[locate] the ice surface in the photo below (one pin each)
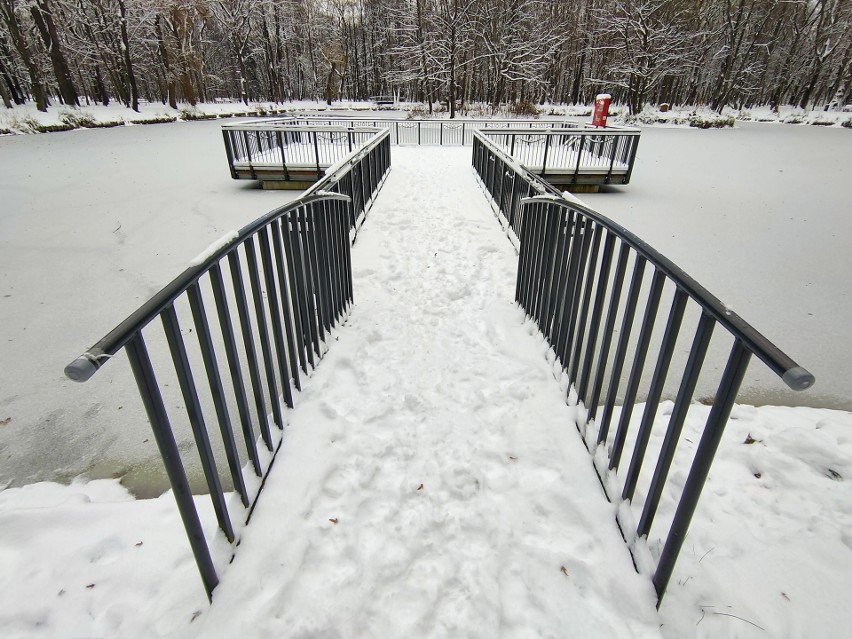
(92, 224)
(760, 216)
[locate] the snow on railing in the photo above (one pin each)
(297, 263)
(578, 156)
(573, 264)
(431, 132)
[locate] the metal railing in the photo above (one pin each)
(289, 276)
(414, 132)
(573, 265)
(581, 156)
(261, 152)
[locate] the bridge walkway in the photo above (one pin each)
(431, 482)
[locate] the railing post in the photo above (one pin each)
(229, 152)
(634, 145)
(544, 159)
(579, 158)
(283, 159)
(418, 132)
(140, 363)
(316, 152)
(248, 155)
(684, 396)
(716, 421)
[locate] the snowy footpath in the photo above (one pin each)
(431, 482)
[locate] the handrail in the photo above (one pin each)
(490, 124)
(592, 130)
(289, 276)
(86, 365)
(796, 377)
(588, 155)
(793, 375)
(572, 269)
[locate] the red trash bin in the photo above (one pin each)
(601, 112)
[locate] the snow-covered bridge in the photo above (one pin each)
(430, 391)
(291, 153)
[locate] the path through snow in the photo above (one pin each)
(431, 481)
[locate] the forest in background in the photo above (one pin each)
(739, 53)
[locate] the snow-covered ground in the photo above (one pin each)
(462, 401)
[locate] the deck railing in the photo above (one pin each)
(573, 265)
(257, 152)
(414, 132)
(584, 155)
(289, 276)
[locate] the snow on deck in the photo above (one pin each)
(431, 481)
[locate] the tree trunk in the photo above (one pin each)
(164, 57)
(4, 93)
(128, 64)
(43, 18)
(7, 12)
(100, 88)
(8, 89)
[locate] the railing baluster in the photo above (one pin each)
(224, 313)
(583, 236)
(655, 391)
(629, 401)
(275, 314)
(684, 396)
(248, 343)
(569, 266)
(289, 301)
(621, 349)
(587, 298)
(177, 348)
(717, 419)
(606, 338)
(149, 390)
(214, 381)
(594, 324)
(298, 288)
(549, 253)
(294, 295)
(305, 217)
(566, 223)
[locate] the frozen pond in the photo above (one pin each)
(760, 216)
(94, 222)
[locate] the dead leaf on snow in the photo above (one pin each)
(564, 570)
(5, 422)
(333, 520)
